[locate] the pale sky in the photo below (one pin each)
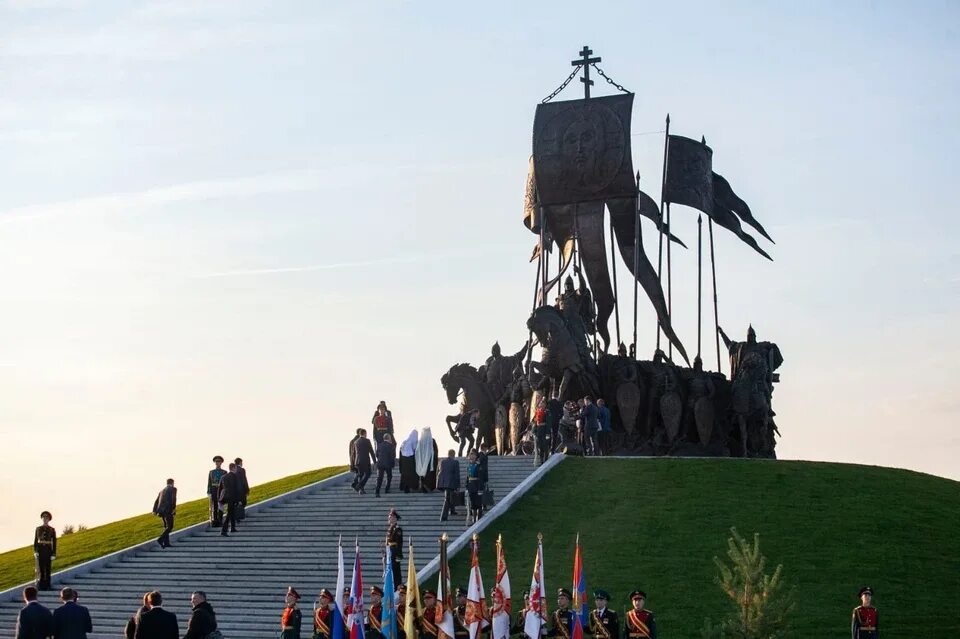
(232, 227)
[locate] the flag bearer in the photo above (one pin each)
(323, 616)
(562, 616)
(373, 629)
(865, 618)
(640, 623)
(292, 617)
(44, 549)
(603, 622)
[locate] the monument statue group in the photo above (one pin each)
(580, 168)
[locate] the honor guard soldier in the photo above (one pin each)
(640, 623)
(460, 630)
(401, 611)
(395, 543)
(562, 617)
(292, 617)
(522, 614)
(323, 616)
(213, 492)
(44, 549)
(603, 622)
(428, 622)
(865, 617)
(372, 628)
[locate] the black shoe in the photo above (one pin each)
(378, 493)
(223, 533)
(387, 491)
(406, 490)
(443, 519)
(363, 492)
(233, 530)
(453, 512)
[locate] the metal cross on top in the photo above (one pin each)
(585, 62)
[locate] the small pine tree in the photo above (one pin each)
(81, 528)
(762, 603)
(67, 530)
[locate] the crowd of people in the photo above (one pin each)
(420, 466)
(575, 427)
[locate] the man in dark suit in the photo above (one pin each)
(244, 489)
(71, 620)
(165, 507)
(448, 480)
(157, 623)
(230, 499)
(364, 458)
(34, 621)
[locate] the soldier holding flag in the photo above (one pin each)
(640, 623)
(500, 610)
(323, 616)
(563, 617)
(604, 623)
(373, 627)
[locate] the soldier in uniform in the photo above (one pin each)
(428, 622)
(372, 628)
(401, 611)
(865, 624)
(640, 623)
(44, 549)
(522, 614)
(323, 616)
(213, 492)
(562, 617)
(460, 630)
(395, 543)
(292, 617)
(603, 622)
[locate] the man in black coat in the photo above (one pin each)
(203, 620)
(229, 493)
(448, 480)
(353, 457)
(244, 489)
(157, 623)
(386, 460)
(364, 458)
(34, 621)
(71, 620)
(165, 507)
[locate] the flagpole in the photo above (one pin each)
(616, 291)
(663, 184)
(716, 315)
(699, 280)
(533, 305)
(637, 243)
(669, 287)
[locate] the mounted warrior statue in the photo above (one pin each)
(752, 371)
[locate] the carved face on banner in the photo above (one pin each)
(581, 150)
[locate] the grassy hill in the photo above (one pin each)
(17, 566)
(656, 524)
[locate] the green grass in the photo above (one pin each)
(17, 566)
(657, 524)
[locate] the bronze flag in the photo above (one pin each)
(689, 178)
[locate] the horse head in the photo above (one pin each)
(453, 380)
(545, 322)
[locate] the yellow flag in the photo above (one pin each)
(414, 607)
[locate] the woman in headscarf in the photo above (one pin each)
(427, 456)
(408, 463)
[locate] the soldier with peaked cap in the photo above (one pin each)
(562, 617)
(372, 628)
(292, 618)
(640, 622)
(401, 610)
(44, 549)
(865, 623)
(323, 615)
(213, 492)
(395, 543)
(460, 630)
(603, 622)
(428, 622)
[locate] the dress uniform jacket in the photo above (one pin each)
(562, 622)
(605, 625)
(290, 623)
(864, 623)
(641, 625)
(323, 623)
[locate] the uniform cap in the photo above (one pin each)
(326, 593)
(346, 590)
(393, 511)
(638, 594)
(601, 594)
(376, 589)
(217, 458)
(402, 588)
(46, 514)
(429, 593)
(292, 592)
(526, 593)
(461, 592)
(866, 590)
(563, 592)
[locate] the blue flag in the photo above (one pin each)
(388, 616)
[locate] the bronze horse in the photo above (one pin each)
(565, 358)
(476, 395)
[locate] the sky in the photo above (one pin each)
(232, 227)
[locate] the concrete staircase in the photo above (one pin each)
(293, 542)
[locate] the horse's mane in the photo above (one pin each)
(462, 369)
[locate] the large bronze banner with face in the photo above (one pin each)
(581, 150)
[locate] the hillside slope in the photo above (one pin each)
(656, 524)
